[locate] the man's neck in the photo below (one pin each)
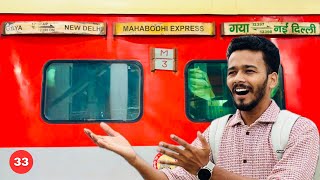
(249, 117)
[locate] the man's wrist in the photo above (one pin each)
(132, 160)
(205, 172)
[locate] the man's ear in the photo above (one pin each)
(273, 80)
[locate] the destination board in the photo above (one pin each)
(53, 27)
(270, 28)
(164, 28)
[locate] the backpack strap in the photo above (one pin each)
(280, 135)
(215, 134)
(281, 130)
(316, 175)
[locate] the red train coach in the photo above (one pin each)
(67, 65)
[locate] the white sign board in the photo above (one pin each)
(164, 64)
(163, 59)
(53, 27)
(160, 53)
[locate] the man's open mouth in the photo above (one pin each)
(241, 90)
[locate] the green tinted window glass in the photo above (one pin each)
(208, 96)
(277, 93)
(75, 91)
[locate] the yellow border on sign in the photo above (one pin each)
(229, 7)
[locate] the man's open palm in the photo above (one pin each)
(113, 141)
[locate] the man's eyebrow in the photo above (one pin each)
(250, 66)
(242, 67)
(231, 68)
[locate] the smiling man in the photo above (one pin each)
(250, 80)
(246, 149)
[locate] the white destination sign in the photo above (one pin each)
(53, 27)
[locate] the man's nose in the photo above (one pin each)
(239, 78)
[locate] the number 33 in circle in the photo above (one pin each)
(21, 162)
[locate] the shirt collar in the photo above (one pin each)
(268, 116)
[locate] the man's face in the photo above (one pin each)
(247, 79)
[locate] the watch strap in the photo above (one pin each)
(209, 166)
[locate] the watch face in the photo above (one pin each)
(204, 174)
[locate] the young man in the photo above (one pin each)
(245, 151)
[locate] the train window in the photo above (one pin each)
(83, 91)
(207, 95)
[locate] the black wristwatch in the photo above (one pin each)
(205, 172)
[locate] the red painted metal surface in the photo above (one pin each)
(22, 59)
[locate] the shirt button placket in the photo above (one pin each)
(247, 150)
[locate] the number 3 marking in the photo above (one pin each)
(164, 64)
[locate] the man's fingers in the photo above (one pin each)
(171, 147)
(169, 162)
(205, 144)
(97, 139)
(88, 132)
(108, 129)
(169, 153)
(180, 141)
(104, 144)
(92, 136)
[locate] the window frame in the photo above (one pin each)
(43, 91)
(187, 98)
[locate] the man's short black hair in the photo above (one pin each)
(270, 52)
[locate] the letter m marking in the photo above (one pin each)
(164, 53)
